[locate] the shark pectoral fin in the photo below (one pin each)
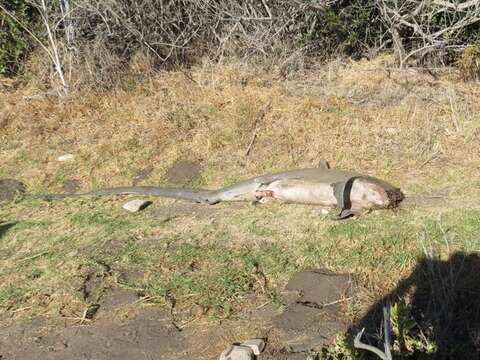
(209, 200)
(323, 164)
(345, 214)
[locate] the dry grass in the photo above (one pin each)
(407, 127)
(469, 62)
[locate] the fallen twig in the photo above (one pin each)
(431, 158)
(260, 117)
(254, 137)
(34, 256)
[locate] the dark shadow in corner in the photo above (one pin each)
(445, 302)
(4, 227)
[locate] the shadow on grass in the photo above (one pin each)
(443, 310)
(4, 227)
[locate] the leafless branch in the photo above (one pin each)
(415, 23)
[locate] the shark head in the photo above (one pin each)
(370, 192)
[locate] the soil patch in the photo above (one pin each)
(116, 299)
(141, 175)
(183, 172)
(71, 186)
(314, 313)
(9, 188)
(145, 335)
(121, 330)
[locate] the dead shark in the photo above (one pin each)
(350, 192)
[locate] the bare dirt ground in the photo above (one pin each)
(116, 330)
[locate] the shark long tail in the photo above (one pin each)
(195, 195)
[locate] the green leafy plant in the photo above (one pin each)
(13, 37)
(341, 349)
(409, 338)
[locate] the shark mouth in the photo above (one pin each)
(395, 197)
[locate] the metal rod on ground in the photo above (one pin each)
(386, 354)
(386, 329)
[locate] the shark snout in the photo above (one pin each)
(374, 193)
(394, 197)
(387, 196)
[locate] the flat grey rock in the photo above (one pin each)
(237, 352)
(291, 296)
(320, 286)
(136, 205)
(257, 345)
(307, 329)
(314, 314)
(298, 317)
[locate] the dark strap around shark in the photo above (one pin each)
(342, 191)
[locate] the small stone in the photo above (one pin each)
(72, 254)
(257, 345)
(392, 131)
(321, 212)
(66, 157)
(136, 205)
(237, 352)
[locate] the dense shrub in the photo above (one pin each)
(109, 34)
(469, 62)
(14, 41)
(97, 40)
(346, 27)
(174, 30)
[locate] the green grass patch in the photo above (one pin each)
(216, 264)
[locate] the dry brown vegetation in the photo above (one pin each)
(411, 128)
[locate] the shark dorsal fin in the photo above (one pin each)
(323, 164)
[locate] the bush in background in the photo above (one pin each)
(107, 35)
(14, 41)
(469, 62)
(95, 41)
